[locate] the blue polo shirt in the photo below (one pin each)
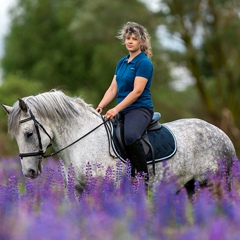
(140, 66)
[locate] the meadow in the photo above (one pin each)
(115, 207)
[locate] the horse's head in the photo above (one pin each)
(32, 137)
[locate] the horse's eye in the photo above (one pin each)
(29, 134)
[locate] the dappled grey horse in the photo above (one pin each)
(78, 135)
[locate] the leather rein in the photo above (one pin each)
(38, 125)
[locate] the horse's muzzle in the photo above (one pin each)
(34, 173)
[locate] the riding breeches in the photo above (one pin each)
(135, 123)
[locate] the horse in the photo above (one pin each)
(78, 134)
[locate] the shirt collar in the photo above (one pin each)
(135, 59)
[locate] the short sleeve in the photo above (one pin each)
(144, 69)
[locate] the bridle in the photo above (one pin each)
(37, 125)
(41, 153)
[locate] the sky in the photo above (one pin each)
(4, 20)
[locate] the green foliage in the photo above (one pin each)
(175, 105)
(39, 45)
(12, 89)
(70, 44)
(208, 32)
(15, 87)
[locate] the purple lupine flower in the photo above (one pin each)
(119, 170)
(120, 210)
(89, 179)
(71, 184)
(60, 180)
(47, 186)
(217, 229)
(128, 168)
(12, 190)
(235, 179)
(164, 206)
(204, 207)
(140, 217)
(181, 202)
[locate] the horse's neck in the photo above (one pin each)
(92, 147)
(71, 129)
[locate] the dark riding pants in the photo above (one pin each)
(135, 123)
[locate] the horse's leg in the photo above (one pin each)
(190, 188)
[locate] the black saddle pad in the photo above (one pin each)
(163, 143)
(162, 140)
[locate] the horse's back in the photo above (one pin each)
(200, 135)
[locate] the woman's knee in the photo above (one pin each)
(131, 138)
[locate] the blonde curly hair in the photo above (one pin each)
(140, 32)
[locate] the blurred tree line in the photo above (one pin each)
(208, 30)
(71, 45)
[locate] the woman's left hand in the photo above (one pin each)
(111, 113)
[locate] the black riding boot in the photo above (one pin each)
(138, 158)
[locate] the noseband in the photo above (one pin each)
(37, 125)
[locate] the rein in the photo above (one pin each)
(54, 153)
(37, 125)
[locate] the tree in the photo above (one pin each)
(209, 31)
(12, 89)
(70, 43)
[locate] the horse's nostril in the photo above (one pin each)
(31, 172)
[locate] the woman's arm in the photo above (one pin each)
(139, 85)
(109, 95)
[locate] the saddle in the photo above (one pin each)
(118, 143)
(158, 141)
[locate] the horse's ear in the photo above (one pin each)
(22, 105)
(8, 109)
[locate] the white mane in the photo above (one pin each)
(53, 105)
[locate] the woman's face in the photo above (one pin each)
(132, 43)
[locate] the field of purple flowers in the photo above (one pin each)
(115, 208)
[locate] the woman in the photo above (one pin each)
(131, 85)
